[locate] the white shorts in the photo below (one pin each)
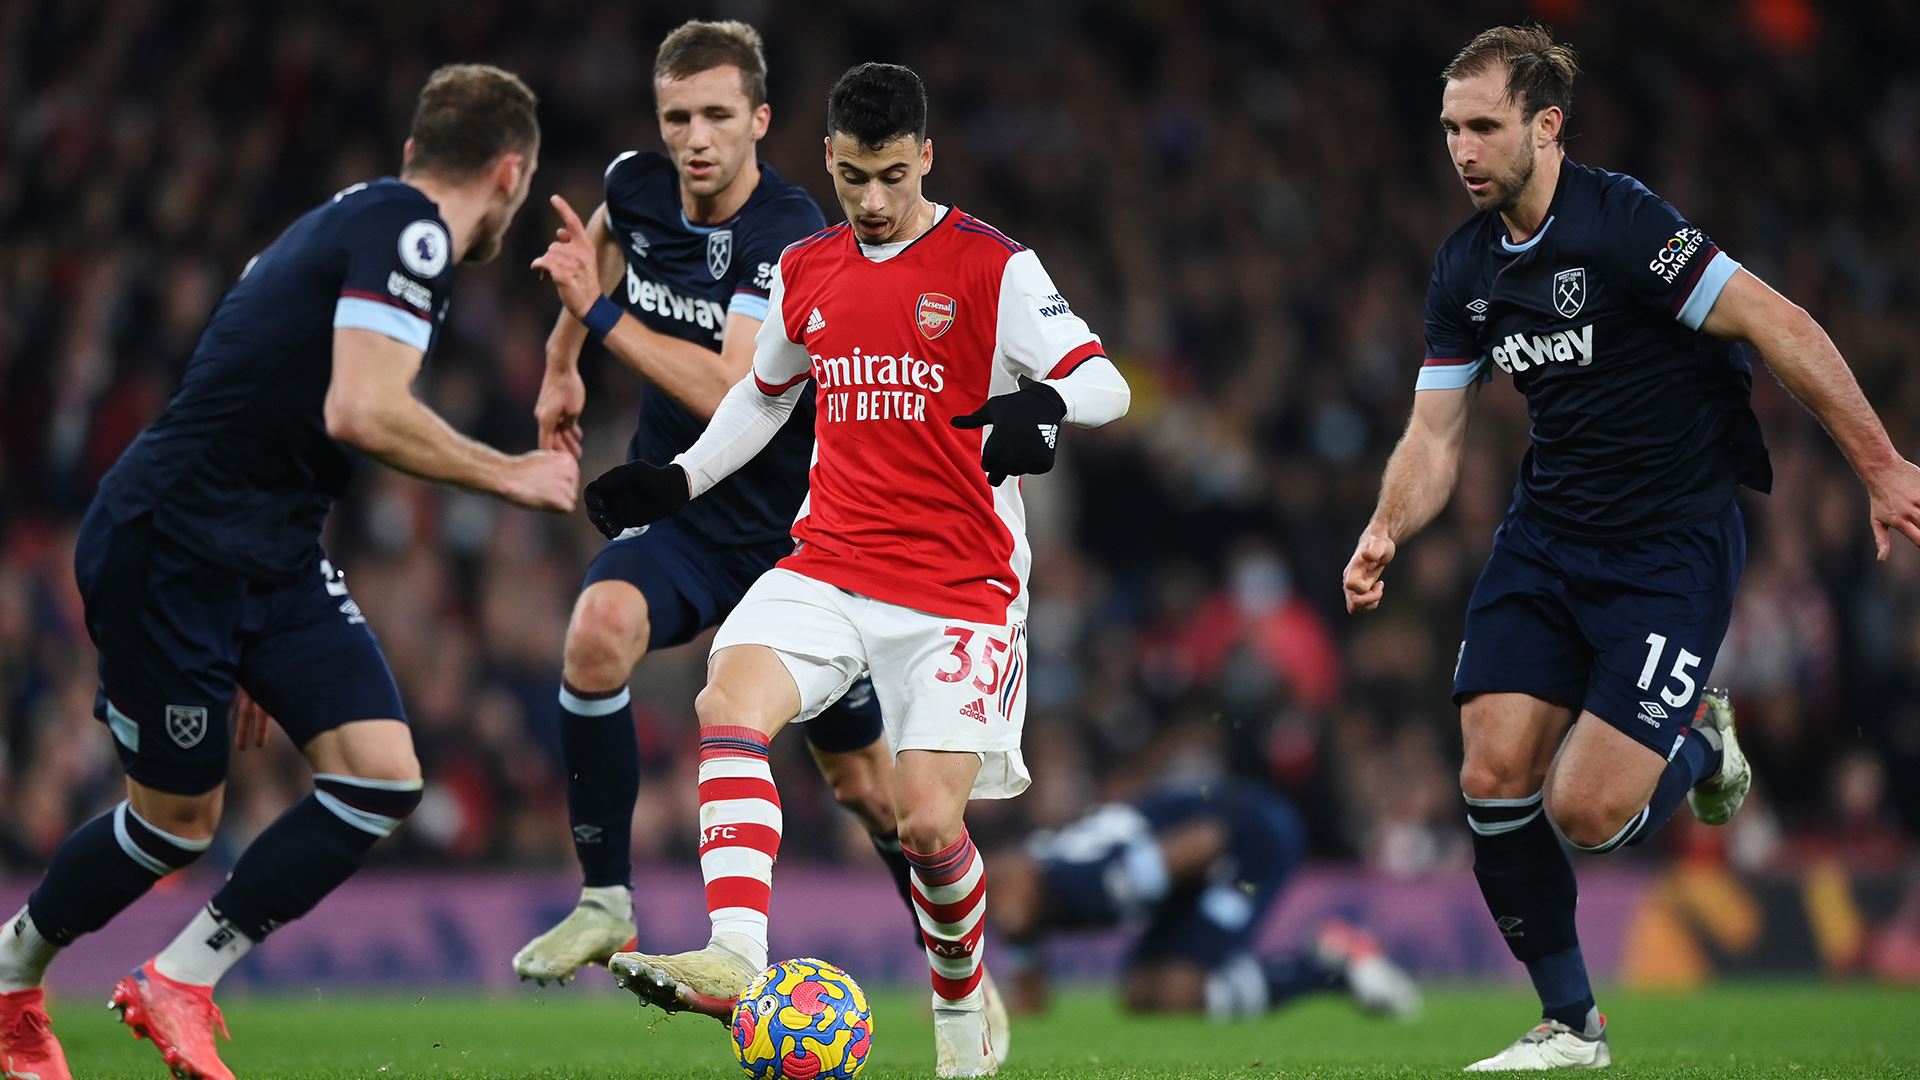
(943, 684)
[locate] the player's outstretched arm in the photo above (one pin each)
(370, 406)
(1418, 482)
(637, 493)
(563, 396)
(690, 374)
(1806, 362)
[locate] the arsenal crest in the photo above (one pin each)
(934, 314)
(1570, 291)
(719, 253)
(186, 725)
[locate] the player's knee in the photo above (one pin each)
(605, 640)
(371, 804)
(1495, 778)
(392, 765)
(868, 802)
(857, 787)
(192, 818)
(926, 828)
(1589, 825)
(716, 705)
(373, 750)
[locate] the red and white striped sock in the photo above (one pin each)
(739, 836)
(950, 899)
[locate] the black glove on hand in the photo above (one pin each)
(628, 496)
(1026, 424)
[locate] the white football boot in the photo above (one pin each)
(1376, 983)
(706, 981)
(1551, 1045)
(601, 925)
(997, 1023)
(1717, 798)
(962, 1043)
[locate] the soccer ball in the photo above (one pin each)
(803, 1019)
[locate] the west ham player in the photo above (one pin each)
(688, 241)
(921, 327)
(1612, 579)
(1189, 869)
(201, 568)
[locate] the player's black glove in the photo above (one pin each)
(1026, 424)
(628, 496)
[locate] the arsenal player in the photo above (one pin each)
(943, 362)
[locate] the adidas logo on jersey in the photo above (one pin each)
(816, 322)
(975, 710)
(1051, 433)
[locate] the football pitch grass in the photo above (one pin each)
(1804, 1031)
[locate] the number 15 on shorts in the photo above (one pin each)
(1679, 687)
(996, 666)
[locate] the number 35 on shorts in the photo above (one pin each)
(994, 665)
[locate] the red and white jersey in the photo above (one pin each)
(899, 508)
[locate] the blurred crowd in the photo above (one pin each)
(1241, 196)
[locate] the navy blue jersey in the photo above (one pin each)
(239, 467)
(1640, 422)
(683, 280)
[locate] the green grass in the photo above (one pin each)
(1804, 1031)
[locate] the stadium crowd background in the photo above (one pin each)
(1242, 197)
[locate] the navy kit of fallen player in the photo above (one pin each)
(200, 565)
(687, 241)
(1612, 579)
(1191, 870)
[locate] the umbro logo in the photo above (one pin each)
(975, 710)
(1510, 925)
(1478, 310)
(586, 834)
(1652, 713)
(816, 322)
(640, 244)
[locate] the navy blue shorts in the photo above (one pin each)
(177, 634)
(691, 583)
(1627, 630)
